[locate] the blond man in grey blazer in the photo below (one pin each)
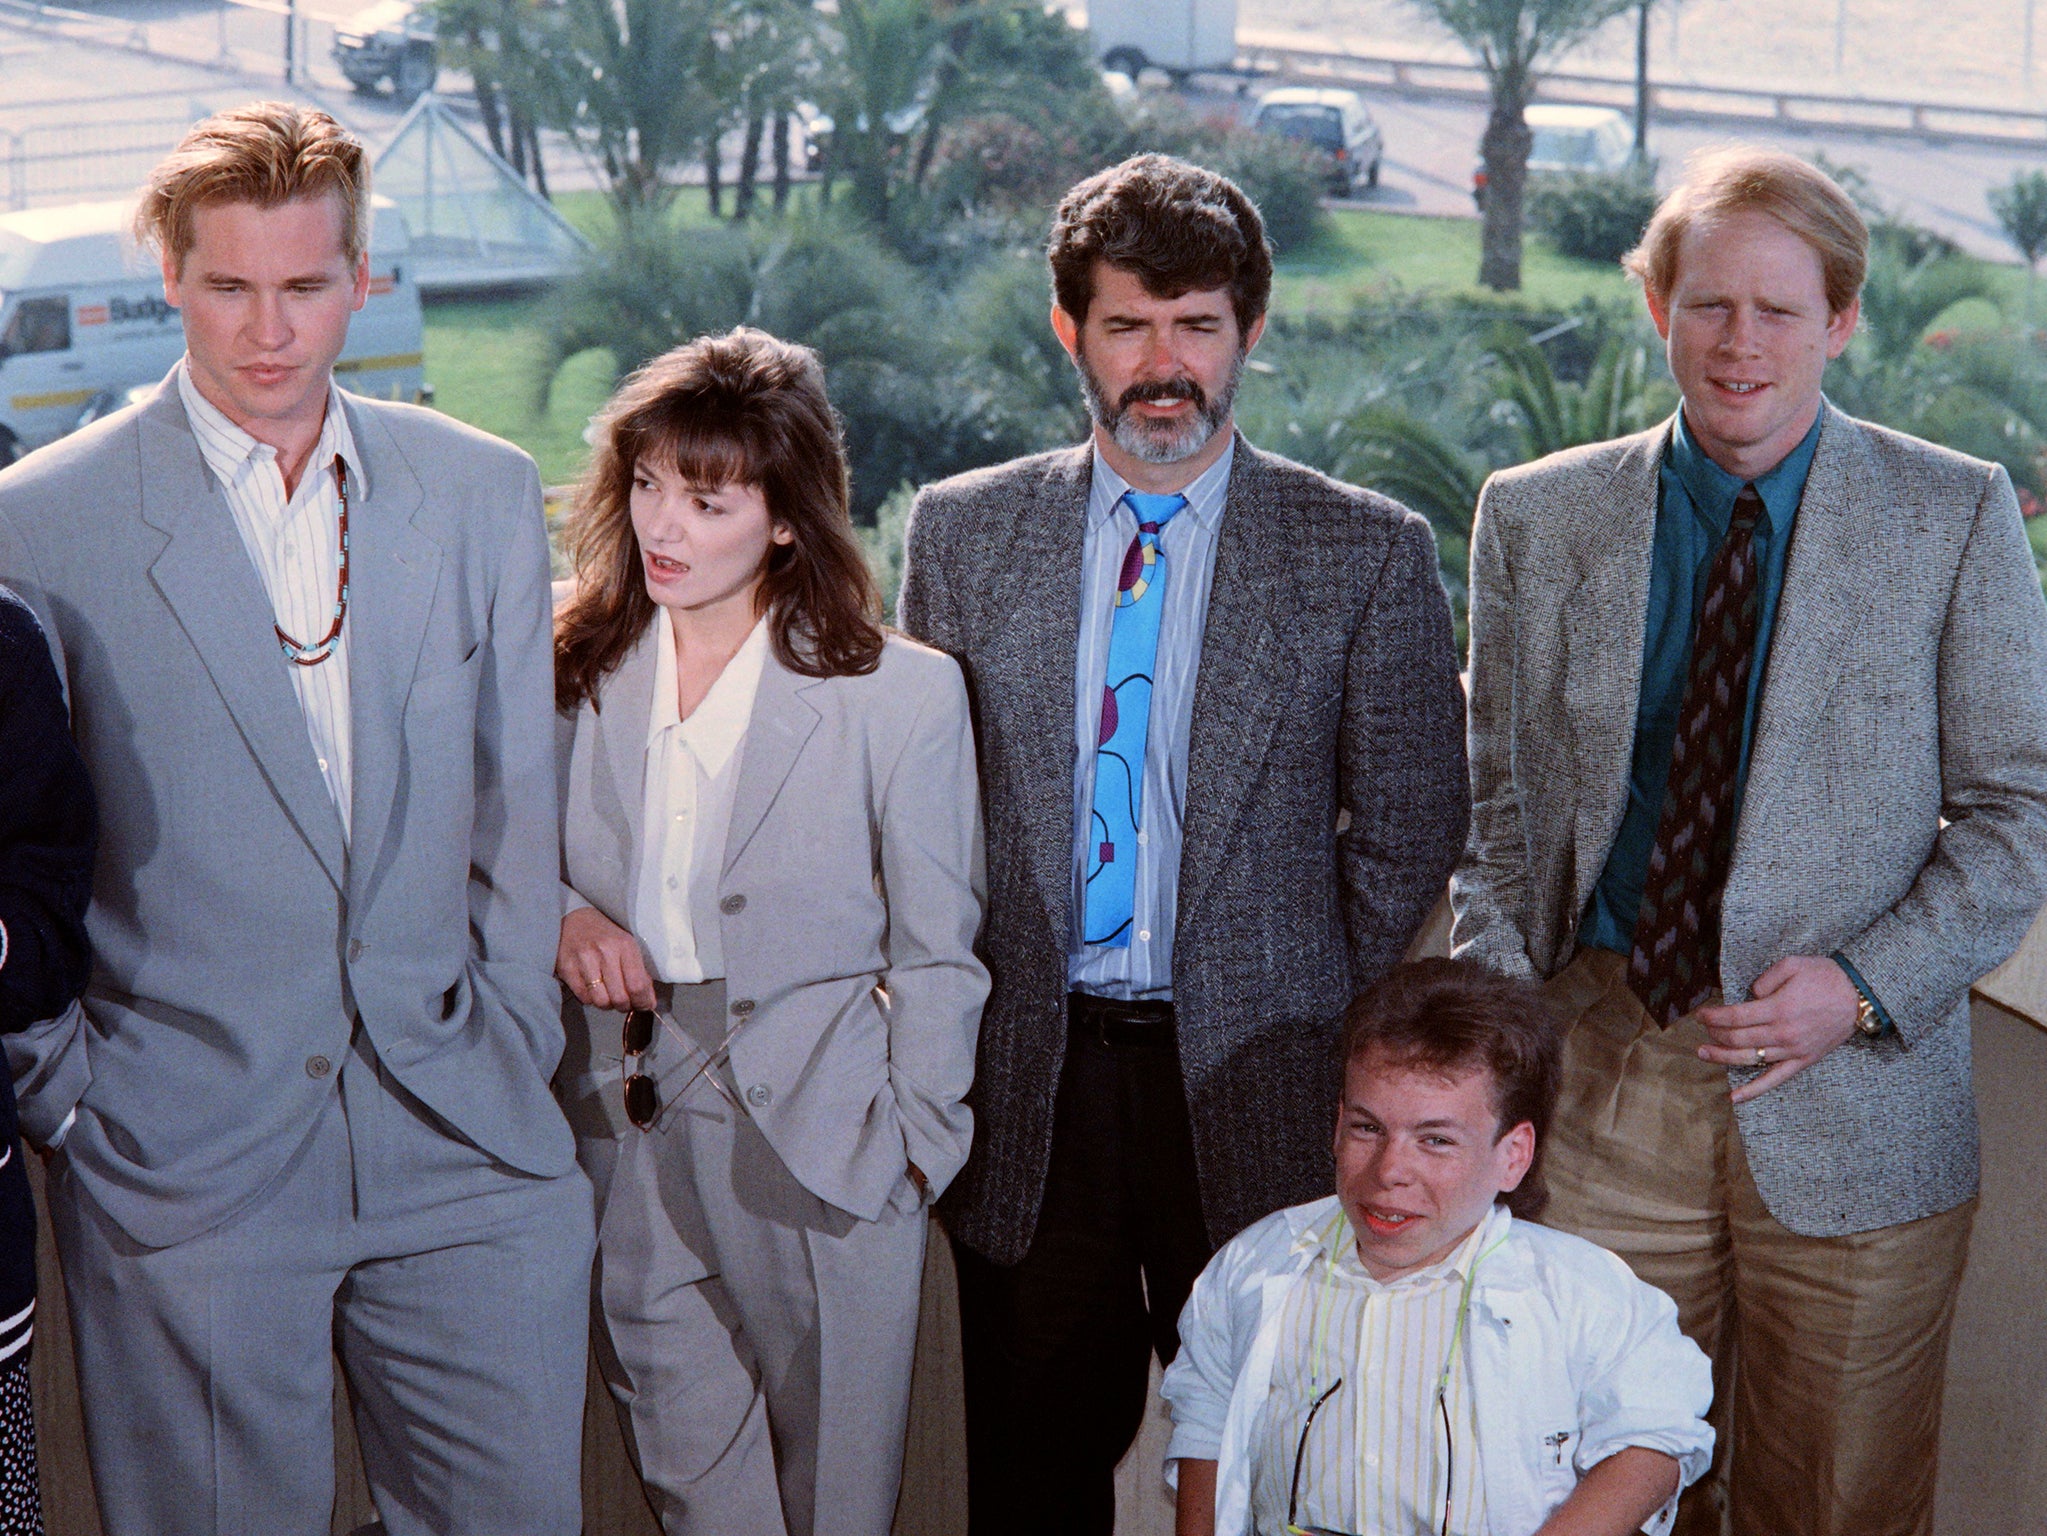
(305, 1105)
(771, 849)
(1759, 771)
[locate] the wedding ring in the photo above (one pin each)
(1762, 1056)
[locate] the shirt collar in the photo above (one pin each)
(227, 449)
(1335, 1236)
(1713, 490)
(1205, 494)
(716, 726)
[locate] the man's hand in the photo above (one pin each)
(601, 963)
(1802, 1008)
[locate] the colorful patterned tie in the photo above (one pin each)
(1111, 894)
(1676, 961)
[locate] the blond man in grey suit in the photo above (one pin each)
(304, 637)
(1759, 767)
(771, 848)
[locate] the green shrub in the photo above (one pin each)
(1592, 215)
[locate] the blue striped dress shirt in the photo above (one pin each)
(1145, 968)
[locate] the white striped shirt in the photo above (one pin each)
(1145, 968)
(1376, 1463)
(295, 545)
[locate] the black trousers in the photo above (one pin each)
(1057, 1348)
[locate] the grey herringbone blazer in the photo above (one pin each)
(1328, 684)
(1896, 807)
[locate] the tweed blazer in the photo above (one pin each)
(1896, 803)
(1326, 802)
(239, 939)
(849, 899)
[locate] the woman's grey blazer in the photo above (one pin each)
(851, 895)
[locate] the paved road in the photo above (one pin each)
(1431, 143)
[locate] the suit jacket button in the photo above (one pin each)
(355, 949)
(732, 906)
(318, 1066)
(743, 1007)
(760, 1095)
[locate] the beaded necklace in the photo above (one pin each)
(312, 655)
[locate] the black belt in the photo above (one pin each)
(1113, 1021)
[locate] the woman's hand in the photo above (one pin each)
(601, 963)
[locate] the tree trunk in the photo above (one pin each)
(539, 166)
(779, 148)
(1642, 83)
(515, 141)
(1504, 149)
(487, 107)
(713, 184)
(749, 167)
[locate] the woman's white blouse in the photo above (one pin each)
(692, 770)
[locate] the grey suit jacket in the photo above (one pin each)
(851, 893)
(1326, 802)
(237, 941)
(1907, 688)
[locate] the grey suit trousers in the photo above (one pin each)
(455, 1288)
(757, 1339)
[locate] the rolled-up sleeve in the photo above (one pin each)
(1199, 1382)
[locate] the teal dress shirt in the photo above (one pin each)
(1694, 504)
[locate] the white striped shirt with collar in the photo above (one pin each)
(1375, 1461)
(294, 543)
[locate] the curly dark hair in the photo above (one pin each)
(1175, 226)
(1454, 1016)
(744, 407)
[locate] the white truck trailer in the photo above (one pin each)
(1181, 37)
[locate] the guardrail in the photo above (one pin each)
(242, 36)
(1826, 111)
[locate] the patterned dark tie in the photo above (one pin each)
(1676, 961)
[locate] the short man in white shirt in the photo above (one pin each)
(1411, 1354)
(305, 639)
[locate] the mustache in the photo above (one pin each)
(1162, 389)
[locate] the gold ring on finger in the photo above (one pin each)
(1762, 1056)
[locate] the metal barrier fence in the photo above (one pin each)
(83, 162)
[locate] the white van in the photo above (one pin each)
(83, 320)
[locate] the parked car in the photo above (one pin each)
(1336, 122)
(83, 320)
(1567, 138)
(389, 42)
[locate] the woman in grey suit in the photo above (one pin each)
(773, 879)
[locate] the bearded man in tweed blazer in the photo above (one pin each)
(1759, 770)
(1148, 1055)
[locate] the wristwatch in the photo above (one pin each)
(1866, 1021)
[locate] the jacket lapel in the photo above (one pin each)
(1603, 626)
(212, 587)
(393, 569)
(628, 700)
(1816, 613)
(1237, 690)
(781, 723)
(1037, 647)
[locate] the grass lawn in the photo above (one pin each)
(1364, 256)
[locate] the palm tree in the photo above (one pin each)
(2021, 208)
(1512, 40)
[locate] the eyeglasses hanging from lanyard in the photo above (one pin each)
(1319, 1326)
(312, 655)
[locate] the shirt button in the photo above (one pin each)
(323, 765)
(760, 1095)
(355, 949)
(1144, 839)
(1144, 935)
(732, 906)
(318, 1066)
(673, 882)
(743, 1007)
(682, 815)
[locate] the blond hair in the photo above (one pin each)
(1802, 198)
(267, 153)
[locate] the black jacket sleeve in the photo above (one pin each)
(48, 830)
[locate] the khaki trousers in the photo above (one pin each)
(1829, 1353)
